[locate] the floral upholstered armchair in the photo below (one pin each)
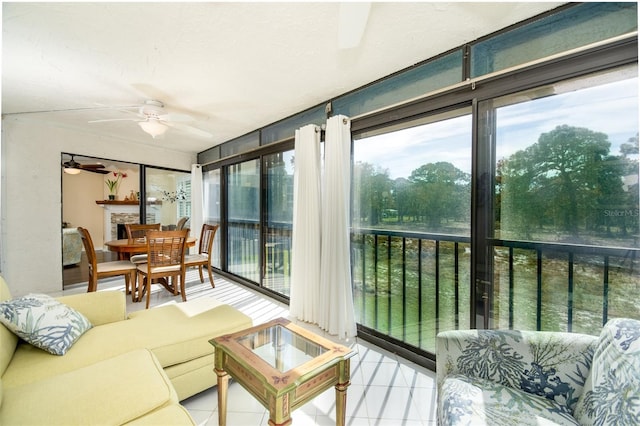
(508, 377)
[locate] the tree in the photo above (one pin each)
(519, 196)
(442, 191)
(632, 177)
(406, 200)
(571, 158)
(565, 181)
(630, 148)
(374, 193)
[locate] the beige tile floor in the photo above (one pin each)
(385, 390)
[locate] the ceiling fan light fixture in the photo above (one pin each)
(153, 127)
(71, 171)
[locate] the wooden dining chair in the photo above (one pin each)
(203, 258)
(107, 269)
(165, 259)
(182, 223)
(138, 231)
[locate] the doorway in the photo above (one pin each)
(83, 185)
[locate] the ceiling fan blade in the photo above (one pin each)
(190, 129)
(100, 171)
(174, 116)
(90, 166)
(113, 119)
(352, 22)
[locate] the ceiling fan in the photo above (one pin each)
(155, 120)
(72, 167)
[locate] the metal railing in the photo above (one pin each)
(244, 249)
(575, 287)
(409, 286)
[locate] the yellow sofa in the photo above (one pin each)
(124, 369)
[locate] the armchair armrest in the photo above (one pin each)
(550, 364)
(101, 307)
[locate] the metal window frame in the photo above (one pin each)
(602, 56)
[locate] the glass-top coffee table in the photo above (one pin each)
(283, 366)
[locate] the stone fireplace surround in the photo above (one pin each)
(118, 214)
(115, 214)
(121, 219)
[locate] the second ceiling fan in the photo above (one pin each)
(72, 167)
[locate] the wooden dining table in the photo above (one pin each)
(125, 249)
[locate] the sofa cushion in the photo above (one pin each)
(205, 319)
(100, 307)
(8, 343)
(114, 391)
(44, 322)
(467, 400)
(174, 333)
(612, 391)
(8, 340)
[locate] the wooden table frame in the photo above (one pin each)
(125, 249)
(281, 392)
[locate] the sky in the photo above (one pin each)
(610, 108)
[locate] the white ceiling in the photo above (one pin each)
(234, 67)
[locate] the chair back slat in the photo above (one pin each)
(165, 258)
(139, 230)
(207, 235)
(166, 248)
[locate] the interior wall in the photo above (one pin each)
(79, 208)
(32, 199)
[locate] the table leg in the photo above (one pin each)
(341, 403)
(223, 385)
(280, 411)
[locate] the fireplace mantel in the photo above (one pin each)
(118, 203)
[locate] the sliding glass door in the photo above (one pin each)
(252, 201)
(278, 171)
(212, 200)
(565, 211)
(411, 227)
(243, 219)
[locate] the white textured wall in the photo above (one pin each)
(31, 258)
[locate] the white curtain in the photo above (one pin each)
(197, 205)
(336, 314)
(305, 245)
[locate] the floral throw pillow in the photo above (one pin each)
(612, 392)
(44, 322)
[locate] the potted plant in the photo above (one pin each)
(114, 184)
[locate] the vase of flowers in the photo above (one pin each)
(114, 184)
